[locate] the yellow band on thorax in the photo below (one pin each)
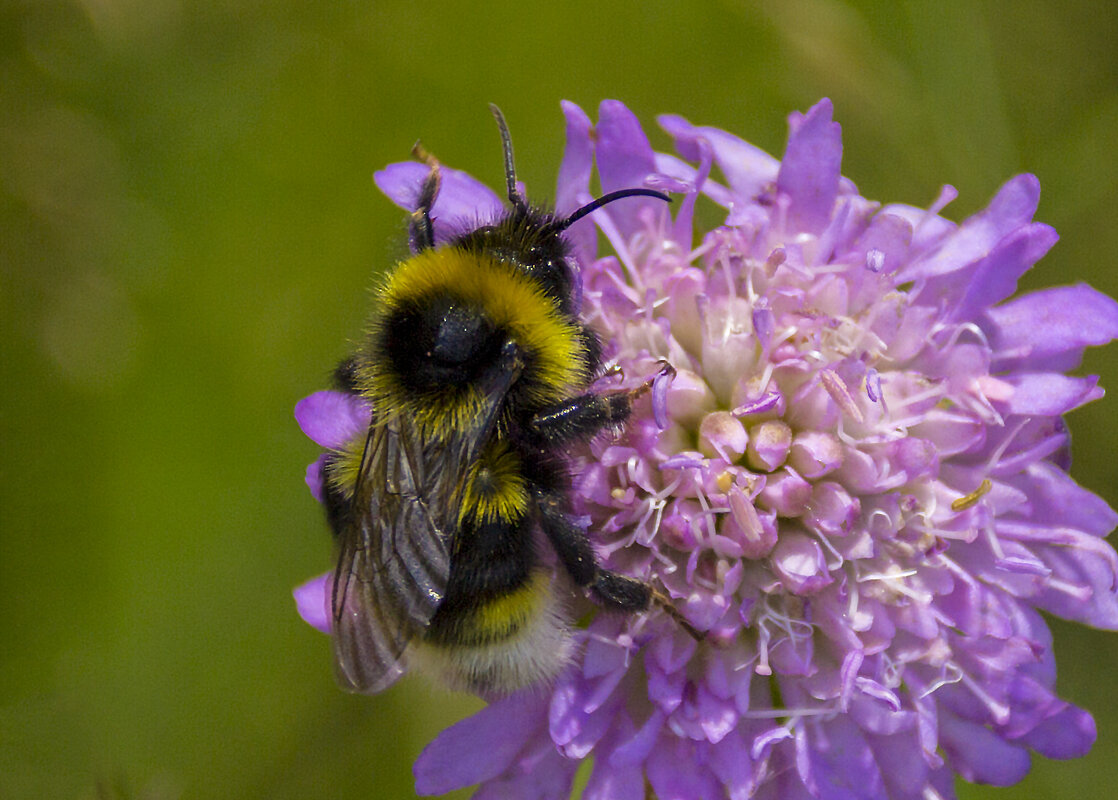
(511, 301)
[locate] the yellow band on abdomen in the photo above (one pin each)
(503, 617)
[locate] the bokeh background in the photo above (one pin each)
(187, 232)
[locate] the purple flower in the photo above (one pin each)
(861, 495)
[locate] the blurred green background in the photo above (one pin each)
(187, 230)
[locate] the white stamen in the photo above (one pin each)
(999, 711)
(795, 713)
(1080, 593)
(893, 574)
(951, 674)
(763, 667)
(996, 457)
(825, 541)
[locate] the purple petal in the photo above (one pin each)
(950, 432)
(683, 227)
(1012, 207)
(730, 762)
(800, 563)
(332, 419)
(625, 161)
(832, 511)
(1056, 499)
(916, 457)
(1067, 734)
(1049, 329)
(785, 784)
(573, 189)
(464, 202)
(481, 747)
(786, 493)
(979, 754)
(1041, 437)
(610, 782)
(676, 773)
(660, 385)
(573, 730)
(994, 278)
(717, 717)
(882, 715)
(314, 478)
(312, 601)
(942, 780)
(928, 228)
(840, 763)
(1087, 574)
(541, 774)
(722, 434)
(906, 772)
(889, 236)
(768, 444)
(748, 169)
(1049, 394)
(665, 689)
(565, 714)
(636, 749)
(764, 741)
(909, 334)
(1031, 702)
(815, 453)
(669, 166)
(809, 172)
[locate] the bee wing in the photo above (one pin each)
(395, 556)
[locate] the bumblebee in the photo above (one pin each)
(477, 370)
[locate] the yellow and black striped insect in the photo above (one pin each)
(478, 370)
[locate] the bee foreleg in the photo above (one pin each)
(421, 229)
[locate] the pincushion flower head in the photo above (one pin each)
(856, 485)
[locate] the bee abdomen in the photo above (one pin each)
(499, 644)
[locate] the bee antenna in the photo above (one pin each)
(510, 170)
(594, 205)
